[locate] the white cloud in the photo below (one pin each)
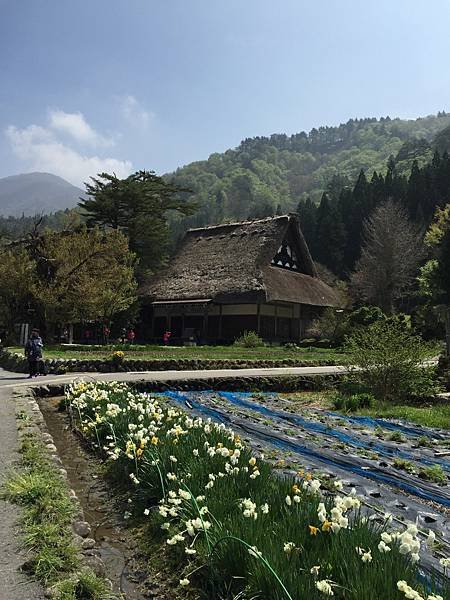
(75, 125)
(42, 151)
(134, 113)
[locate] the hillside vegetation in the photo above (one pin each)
(264, 175)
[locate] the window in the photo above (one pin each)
(286, 258)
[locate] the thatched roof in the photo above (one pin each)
(232, 263)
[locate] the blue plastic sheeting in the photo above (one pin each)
(184, 398)
(241, 399)
(379, 422)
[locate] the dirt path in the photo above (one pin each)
(14, 585)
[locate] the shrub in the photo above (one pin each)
(352, 402)
(366, 315)
(249, 339)
(331, 325)
(387, 359)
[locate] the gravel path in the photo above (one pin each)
(14, 585)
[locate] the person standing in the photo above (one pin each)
(130, 336)
(33, 352)
(106, 334)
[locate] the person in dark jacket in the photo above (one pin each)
(33, 352)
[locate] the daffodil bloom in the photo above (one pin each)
(313, 530)
(326, 526)
(387, 539)
(366, 555)
(253, 551)
(324, 587)
(409, 592)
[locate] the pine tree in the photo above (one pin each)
(415, 194)
(137, 206)
(307, 211)
(330, 236)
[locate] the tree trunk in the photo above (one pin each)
(70, 340)
(447, 330)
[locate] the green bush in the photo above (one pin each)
(366, 315)
(331, 326)
(387, 359)
(249, 339)
(353, 402)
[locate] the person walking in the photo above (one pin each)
(33, 352)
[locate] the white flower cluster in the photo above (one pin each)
(366, 555)
(411, 593)
(311, 485)
(445, 562)
(324, 586)
(337, 519)
(288, 547)
(407, 540)
(248, 508)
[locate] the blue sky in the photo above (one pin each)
(121, 85)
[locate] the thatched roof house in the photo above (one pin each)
(250, 275)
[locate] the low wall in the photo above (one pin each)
(19, 364)
(281, 383)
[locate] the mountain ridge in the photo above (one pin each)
(263, 174)
(36, 193)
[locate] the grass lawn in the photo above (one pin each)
(430, 416)
(437, 415)
(194, 353)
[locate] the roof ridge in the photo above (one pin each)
(236, 223)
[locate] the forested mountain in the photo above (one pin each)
(334, 228)
(280, 173)
(264, 175)
(36, 193)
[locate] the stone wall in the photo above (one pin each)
(18, 364)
